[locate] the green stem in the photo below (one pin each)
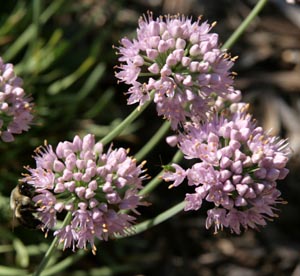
(127, 121)
(157, 179)
(246, 22)
(53, 270)
(153, 141)
(143, 226)
(51, 249)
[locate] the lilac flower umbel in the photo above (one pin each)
(181, 61)
(15, 106)
(96, 187)
(236, 168)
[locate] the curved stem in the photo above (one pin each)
(53, 270)
(51, 249)
(244, 25)
(153, 141)
(143, 226)
(127, 121)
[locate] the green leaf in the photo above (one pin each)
(11, 271)
(22, 257)
(66, 82)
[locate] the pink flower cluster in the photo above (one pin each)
(237, 163)
(96, 187)
(181, 61)
(15, 106)
(236, 168)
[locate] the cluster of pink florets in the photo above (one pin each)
(181, 61)
(15, 106)
(236, 168)
(96, 187)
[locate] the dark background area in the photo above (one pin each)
(79, 36)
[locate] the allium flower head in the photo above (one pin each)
(180, 60)
(237, 165)
(15, 106)
(96, 187)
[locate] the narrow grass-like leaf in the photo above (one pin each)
(29, 33)
(11, 271)
(43, 56)
(103, 100)
(6, 248)
(22, 257)
(66, 82)
(13, 19)
(91, 81)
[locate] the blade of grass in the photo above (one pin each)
(22, 257)
(13, 19)
(29, 33)
(11, 271)
(102, 101)
(66, 82)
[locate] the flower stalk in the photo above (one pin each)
(244, 25)
(126, 122)
(153, 141)
(51, 249)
